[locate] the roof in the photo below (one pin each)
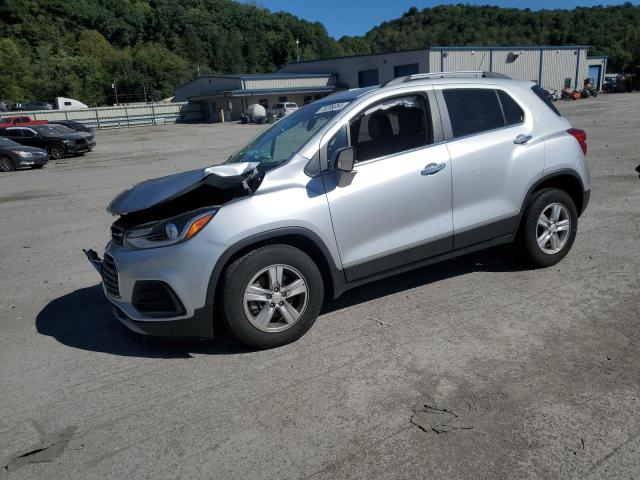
(268, 91)
(362, 55)
(511, 47)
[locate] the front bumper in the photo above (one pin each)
(34, 160)
(186, 268)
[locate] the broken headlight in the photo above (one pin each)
(168, 232)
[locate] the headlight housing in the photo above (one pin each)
(21, 153)
(168, 232)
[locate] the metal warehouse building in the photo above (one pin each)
(550, 67)
(304, 82)
(234, 93)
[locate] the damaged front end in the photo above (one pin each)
(163, 209)
(164, 292)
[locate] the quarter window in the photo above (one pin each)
(513, 114)
(390, 127)
(473, 110)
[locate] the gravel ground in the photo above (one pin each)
(473, 368)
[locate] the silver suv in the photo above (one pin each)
(355, 187)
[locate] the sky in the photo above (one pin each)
(356, 17)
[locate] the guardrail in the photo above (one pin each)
(122, 116)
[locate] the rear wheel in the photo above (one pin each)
(549, 228)
(272, 296)
(56, 151)
(6, 164)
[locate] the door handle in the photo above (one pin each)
(522, 139)
(433, 168)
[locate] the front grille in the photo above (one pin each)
(156, 299)
(110, 276)
(117, 234)
(81, 141)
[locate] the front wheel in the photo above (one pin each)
(6, 165)
(56, 151)
(549, 229)
(272, 296)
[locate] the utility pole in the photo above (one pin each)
(144, 89)
(115, 89)
(298, 49)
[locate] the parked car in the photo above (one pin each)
(3, 106)
(20, 120)
(282, 109)
(59, 141)
(358, 186)
(73, 125)
(14, 156)
(36, 106)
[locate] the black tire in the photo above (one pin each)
(6, 164)
(241, 272)
(57, 151)
(531, 251)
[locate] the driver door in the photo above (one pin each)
(394, 209)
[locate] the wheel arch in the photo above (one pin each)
(566, 180)
(299, 237)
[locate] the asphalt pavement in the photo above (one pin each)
(474, 368)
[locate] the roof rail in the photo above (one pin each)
(459, 74)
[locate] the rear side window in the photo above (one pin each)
(513, 114)
(543, 96)
(473, 110)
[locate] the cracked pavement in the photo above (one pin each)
(544, 365)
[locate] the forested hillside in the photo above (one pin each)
(78, 48)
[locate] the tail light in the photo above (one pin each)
(580, 136)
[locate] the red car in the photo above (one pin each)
(23, 120)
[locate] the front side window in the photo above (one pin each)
(390, 127)
(473, 110)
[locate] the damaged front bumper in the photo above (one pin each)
(127, 275)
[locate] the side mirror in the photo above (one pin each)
(344, 159)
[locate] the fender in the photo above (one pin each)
(547, 177)
(337, 276)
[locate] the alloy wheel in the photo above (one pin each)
(553, 229)
(56, 151)
(6, 165)
(276, 298)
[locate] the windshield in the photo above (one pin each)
(5, 142)
(280, 142)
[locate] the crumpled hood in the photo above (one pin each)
(158, 190)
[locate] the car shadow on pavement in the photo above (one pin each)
(496, 259)
(83, 319)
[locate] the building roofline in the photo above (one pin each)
(510, 47)
(344, 57)
(272, 91)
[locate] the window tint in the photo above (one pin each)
(339, 140)
(391, 126)
(513, 114)
(473, 110)
(543, 96)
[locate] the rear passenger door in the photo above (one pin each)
(494, 157)
(15, 134)
(394, 208)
